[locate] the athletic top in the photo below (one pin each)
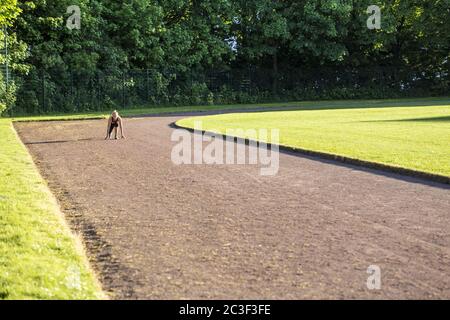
(114, 121)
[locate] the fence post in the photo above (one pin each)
(5, 33)
(98, 92)
(92, 91)
(77, 88)
(123, 89)
(6, 59)
(43, 91)
(71, 89)
(148, 86)
(191, 84)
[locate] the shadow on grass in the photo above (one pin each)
(303, 106)
(165, 111)
(398, 173)
(430, 119)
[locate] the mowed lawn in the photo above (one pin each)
(39, 256)
(398, 133)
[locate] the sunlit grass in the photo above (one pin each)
(39, 256)
(399, 133)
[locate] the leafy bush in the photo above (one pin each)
(7, 96)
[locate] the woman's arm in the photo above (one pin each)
(121, 128)
(108, 127)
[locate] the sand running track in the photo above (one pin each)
(159, 231)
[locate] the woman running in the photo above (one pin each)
(114, 122)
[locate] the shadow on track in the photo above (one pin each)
(60, 141)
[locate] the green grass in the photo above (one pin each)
(144, 111)
(412, 134)
(39, 256)
(295, 104)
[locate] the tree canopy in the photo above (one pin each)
(193, 36)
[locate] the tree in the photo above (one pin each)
(12, 51)
(187, 38)
(8, 12)
(317, 29)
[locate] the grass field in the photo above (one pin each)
(403, 133)
(39, 256)
(304, 105)
(147, 111)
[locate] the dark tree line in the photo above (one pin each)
(138, 52)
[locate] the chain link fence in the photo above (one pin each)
(42, 93)
(4, 71)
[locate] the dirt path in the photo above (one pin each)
(160, 231)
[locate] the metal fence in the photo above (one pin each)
(40, 93)
(4, 70)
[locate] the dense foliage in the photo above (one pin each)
(218, 51)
